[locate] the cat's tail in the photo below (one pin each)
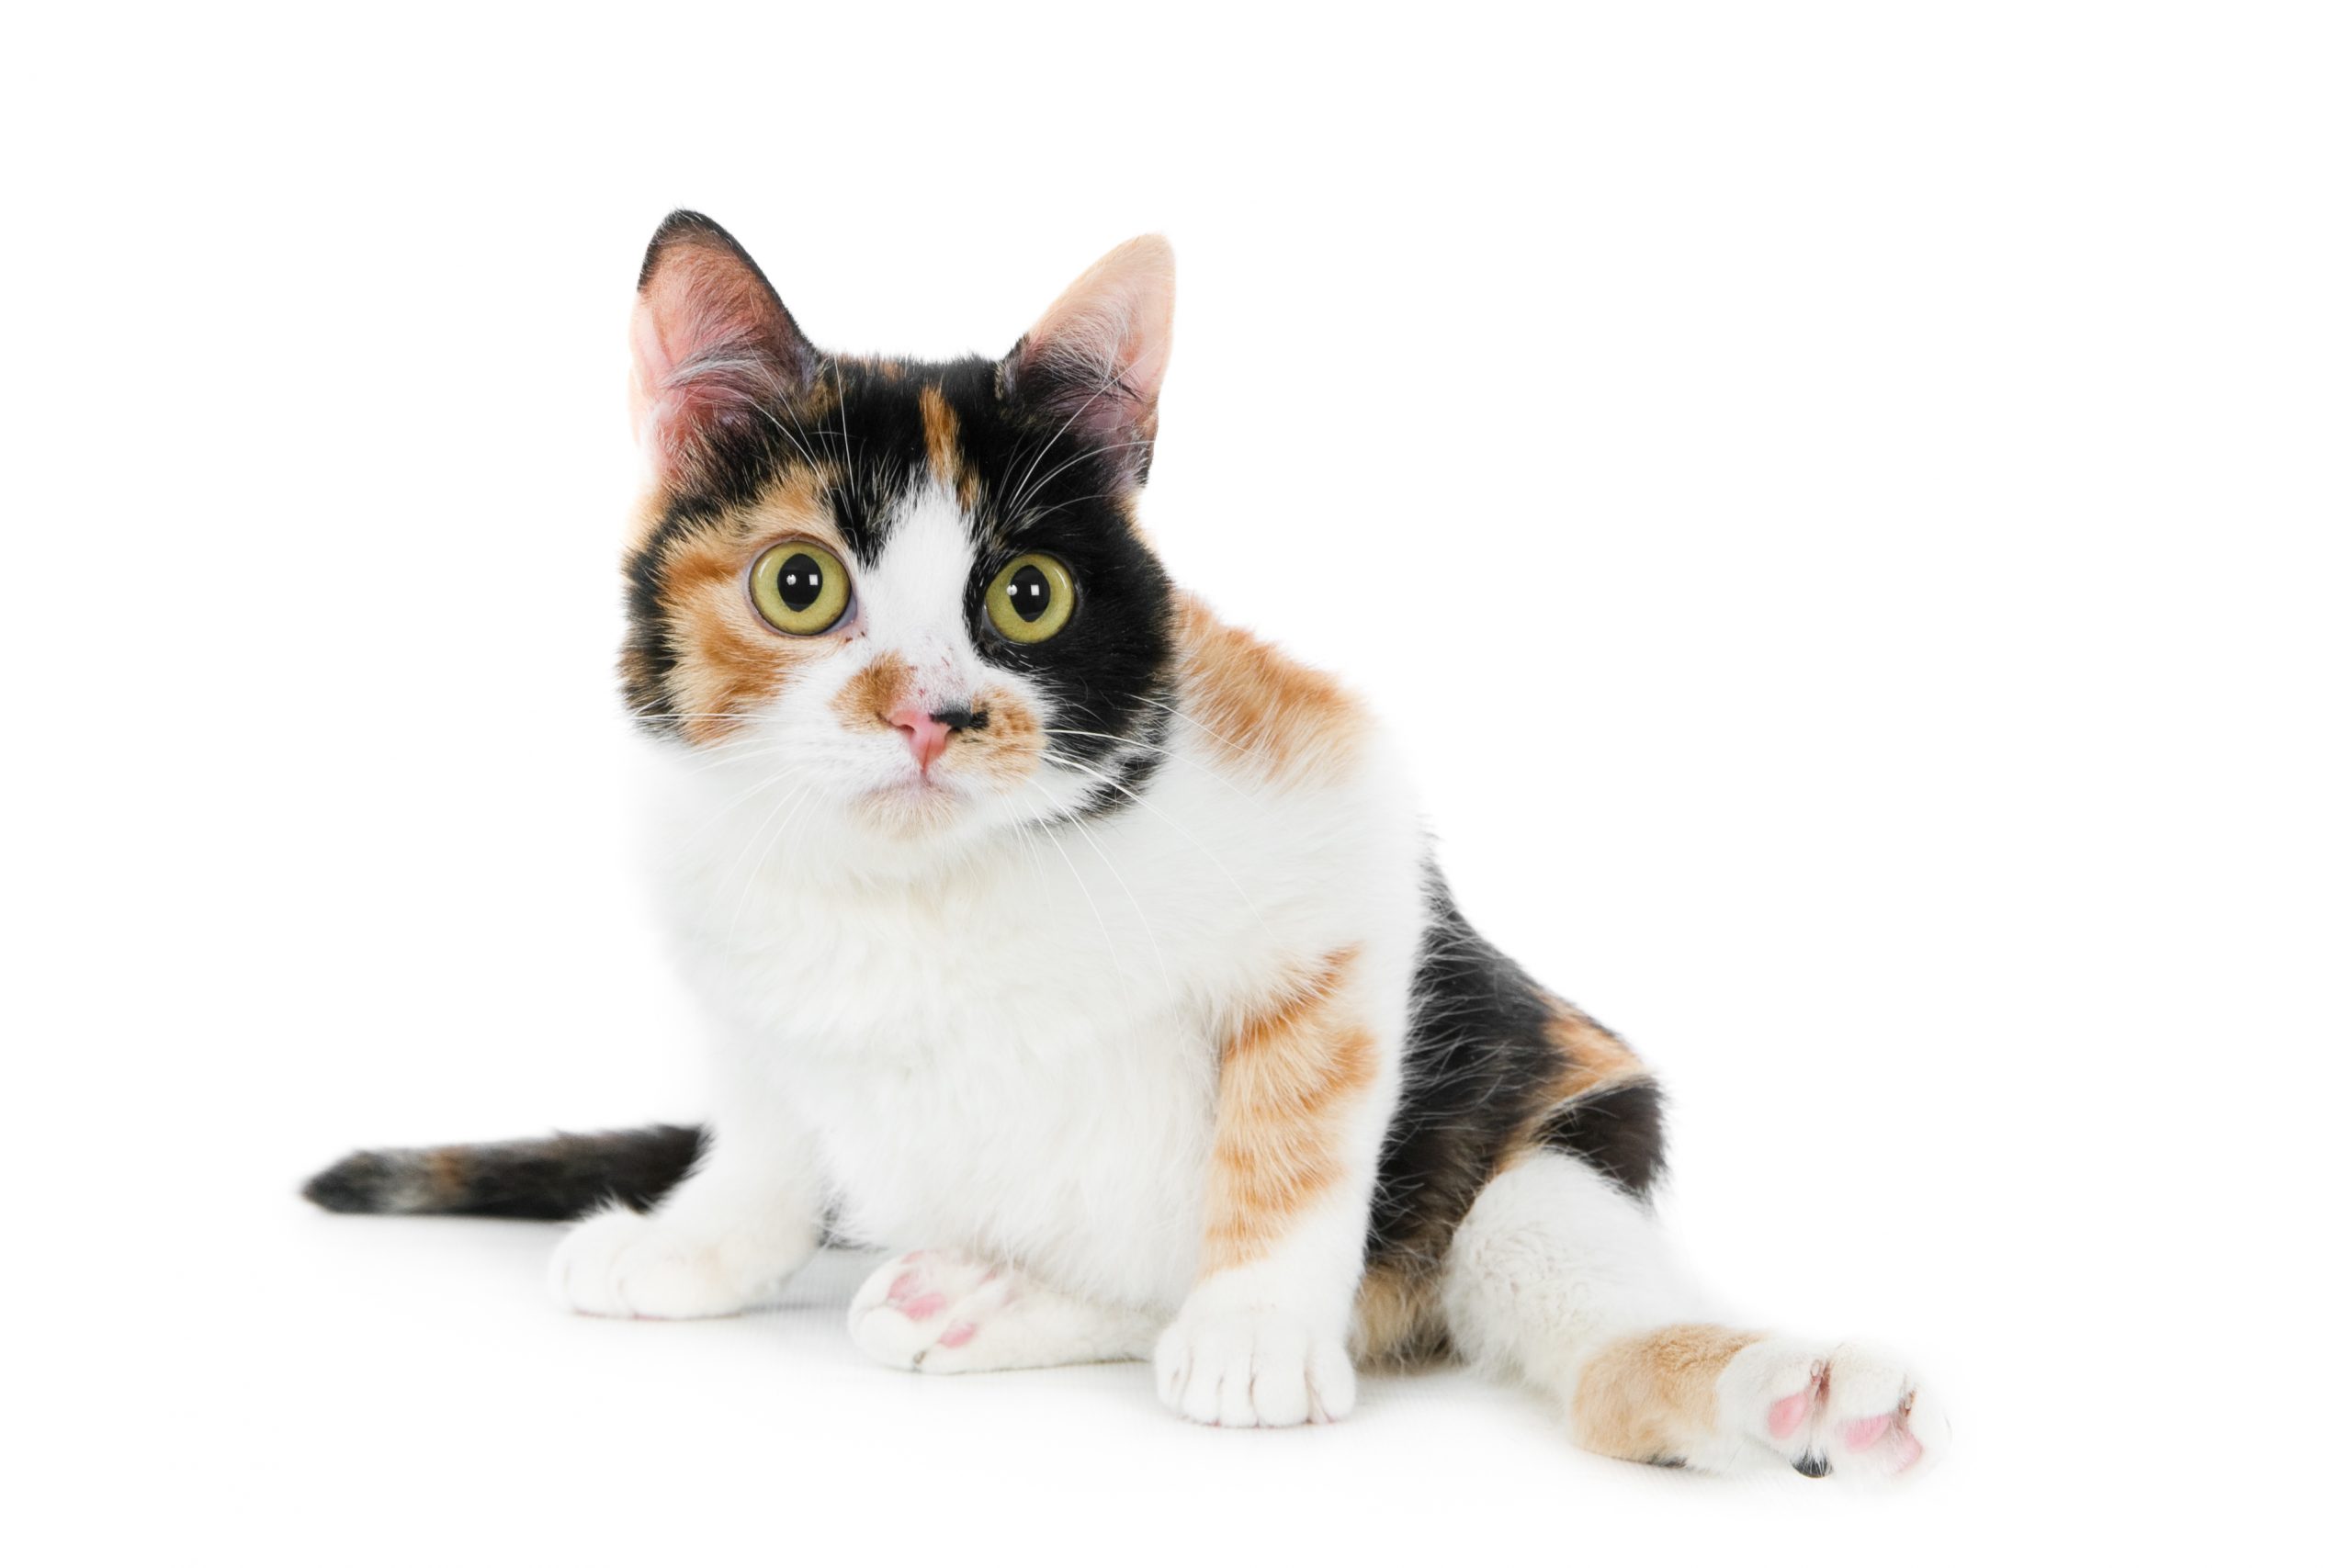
(557, 1178)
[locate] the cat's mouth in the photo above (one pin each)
(915, 803)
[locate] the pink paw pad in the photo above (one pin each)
(1861, 1434)
(1787, 1414)
(958, 1334)
(907, 1293)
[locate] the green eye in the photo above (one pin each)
(1032, 598)
(799, 587)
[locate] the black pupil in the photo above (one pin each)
(1032, 592)
(799, 581)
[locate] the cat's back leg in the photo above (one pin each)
(940, 1310)
(1513, 1225)
(1558, 1278)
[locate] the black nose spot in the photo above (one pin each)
(961, 719)
(1815, 1464)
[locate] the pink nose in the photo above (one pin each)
(926, 737)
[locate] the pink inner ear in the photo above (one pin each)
(1112, 325)
(709, 344)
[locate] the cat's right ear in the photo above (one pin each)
(710, 345)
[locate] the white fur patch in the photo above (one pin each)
(995, 1035)
(1003, 1036)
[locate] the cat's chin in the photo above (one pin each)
(914, 809)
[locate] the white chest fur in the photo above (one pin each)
(1017, 1054)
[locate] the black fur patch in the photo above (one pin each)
(1619, 1131)
(558, 1178)
(1479, 1064)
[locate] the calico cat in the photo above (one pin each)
(1053, 927)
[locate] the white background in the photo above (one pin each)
(1847, 503)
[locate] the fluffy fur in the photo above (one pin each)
(1108, 968)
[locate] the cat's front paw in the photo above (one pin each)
(1843, 1410)
(1252, 1366)
(622, 1264)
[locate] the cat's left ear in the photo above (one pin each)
(1094, 361)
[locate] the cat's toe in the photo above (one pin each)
(1252, 1368)
(623, 1264)
(1847, 1410)
(1877, 1420)
(918, 1312)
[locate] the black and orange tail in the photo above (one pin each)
(561, 1176)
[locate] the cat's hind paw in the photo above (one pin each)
(943, 1310)
(1845, 1410)
(924, 1312)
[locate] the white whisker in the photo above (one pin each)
(1249, 903)
(1111, 946)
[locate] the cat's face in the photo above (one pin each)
(907, 602)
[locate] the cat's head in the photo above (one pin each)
(912, 595)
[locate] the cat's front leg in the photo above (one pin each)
(725, 1238)
(1303, 1089)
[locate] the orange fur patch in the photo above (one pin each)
(1005, 750)
(1590, 1059)
(1397, 1316)
(1590, 1056)
(1286, 1077)
(941, 438)
(1267, 714)
(943, 443)
(870, 696)
(1653, 1396)
(728, 660)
